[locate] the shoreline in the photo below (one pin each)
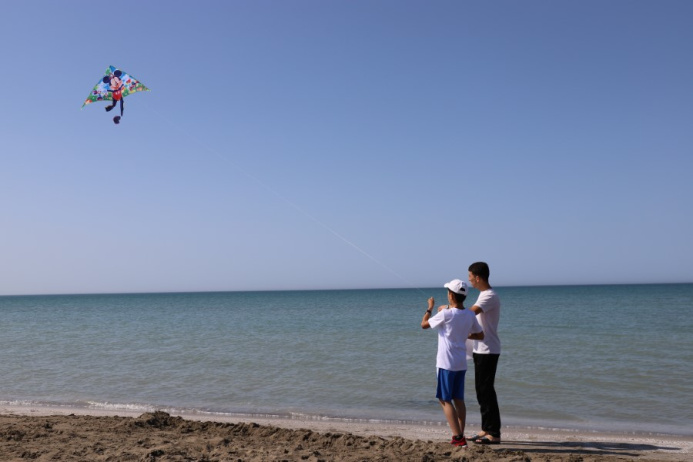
(532, 442)
(531, 426)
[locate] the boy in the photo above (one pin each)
(454, 325)
(486, 354)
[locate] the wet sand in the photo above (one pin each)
(43, 434)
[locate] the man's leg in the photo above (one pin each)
(485, 366)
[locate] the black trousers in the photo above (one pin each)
(484, 378)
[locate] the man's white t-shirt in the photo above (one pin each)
(453, 326)
(490, 305)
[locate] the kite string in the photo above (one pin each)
(282, 197)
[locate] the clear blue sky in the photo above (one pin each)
(346, 144)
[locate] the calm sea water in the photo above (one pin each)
(582, 357)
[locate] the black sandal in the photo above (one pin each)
(485, 440)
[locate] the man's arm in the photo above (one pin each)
(476, 310)
(477, 336)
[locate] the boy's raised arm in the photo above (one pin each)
(427, 314)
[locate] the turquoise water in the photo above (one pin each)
(584, 357)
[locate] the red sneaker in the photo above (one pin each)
(459, 441)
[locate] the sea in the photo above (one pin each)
(588, 358)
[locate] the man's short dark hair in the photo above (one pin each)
(480, 269)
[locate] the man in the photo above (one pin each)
(486, 354)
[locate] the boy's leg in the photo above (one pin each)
(461, 409)
(451, 416)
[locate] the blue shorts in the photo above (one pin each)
(450, 385)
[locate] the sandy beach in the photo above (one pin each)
(43, 434)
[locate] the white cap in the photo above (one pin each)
(458, 286)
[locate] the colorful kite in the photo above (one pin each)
(114, 86)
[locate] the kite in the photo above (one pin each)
(114, 86)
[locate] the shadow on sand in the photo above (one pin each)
(601, 448)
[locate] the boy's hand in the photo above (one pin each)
(431, 302)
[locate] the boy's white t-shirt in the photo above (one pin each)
(453, 326)
(490, 305)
